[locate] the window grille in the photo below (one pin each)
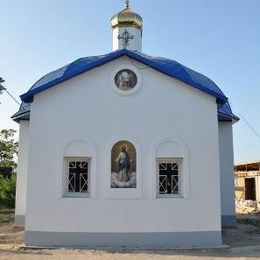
(169, 181)
(77, 179)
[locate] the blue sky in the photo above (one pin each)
(218, 38)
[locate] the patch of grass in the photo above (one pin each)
(6, 211)
(6, 216)
(250, 219)
(247, 221)
(6, 219)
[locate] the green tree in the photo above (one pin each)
(7, 192)
(8, 148)
(1, 85)
(2, 88)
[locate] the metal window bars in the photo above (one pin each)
(78, 177)
(169, 180)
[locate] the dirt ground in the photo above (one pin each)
(243, 242)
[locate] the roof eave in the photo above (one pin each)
(28, 96)
(222, 117)
(23, 116)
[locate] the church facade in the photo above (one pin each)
(125, 150)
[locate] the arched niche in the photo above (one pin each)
(123, 165)
(170, 149)
(79, 148)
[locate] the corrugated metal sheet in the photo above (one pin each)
(166, 66)
(225, 113)
(23, 113)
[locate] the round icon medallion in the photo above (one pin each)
(125, 79)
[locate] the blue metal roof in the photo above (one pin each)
(23, 113)
(165, 66)
(225, 113)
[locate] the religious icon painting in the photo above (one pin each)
(123, 165)
(125, 79)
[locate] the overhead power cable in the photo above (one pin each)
(251, 127)
(9, 94)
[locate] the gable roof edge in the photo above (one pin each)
(181, 73)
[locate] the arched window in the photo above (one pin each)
(77, 170)
(169, 160)
(123, 165)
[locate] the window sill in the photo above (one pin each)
(169, 196)
(73, 195)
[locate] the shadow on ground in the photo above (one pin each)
(244, 242)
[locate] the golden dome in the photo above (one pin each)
(127, 18)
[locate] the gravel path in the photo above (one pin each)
(244, 243)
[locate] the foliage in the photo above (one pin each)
(1, 85)
(8, 148)
(2, 88)
(7, 192)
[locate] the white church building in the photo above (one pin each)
(125, 150)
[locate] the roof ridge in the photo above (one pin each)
(169, 67)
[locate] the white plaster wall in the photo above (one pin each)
(79, 148)
(226, 169)
(88, 108)
(134, 44)
(21, 184)
(172, 149)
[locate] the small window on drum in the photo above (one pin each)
(77, 176)
(169, 177)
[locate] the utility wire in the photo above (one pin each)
(250, 126)
(9, 94)
(253, 129)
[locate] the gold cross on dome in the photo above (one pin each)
(125, 37)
